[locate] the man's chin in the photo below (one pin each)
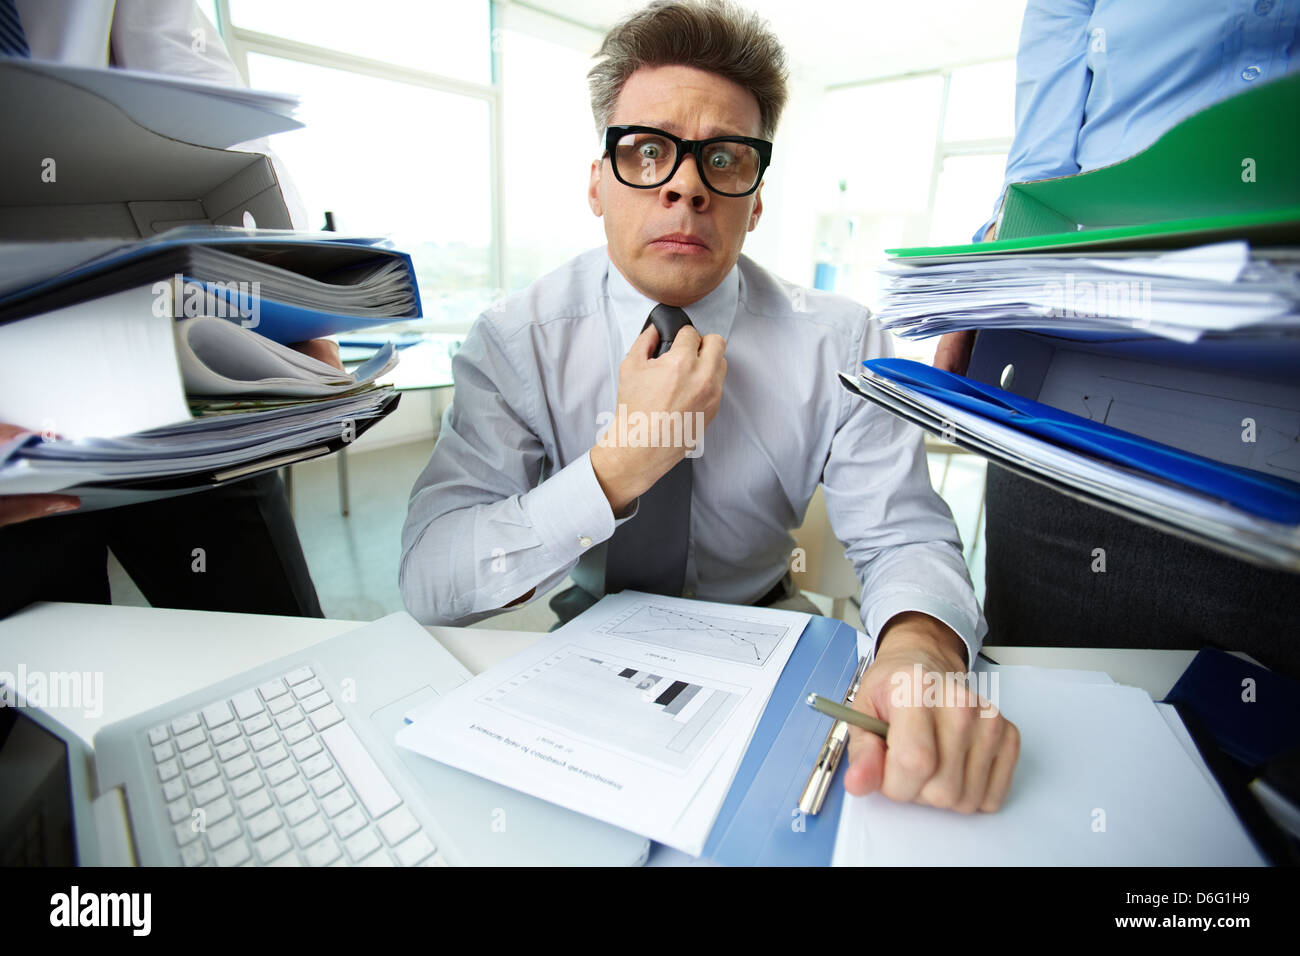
(683, 282)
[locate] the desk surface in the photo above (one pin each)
(148, 656)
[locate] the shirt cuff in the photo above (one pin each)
(569, 511)
(884, 608)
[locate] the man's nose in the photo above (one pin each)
(686, 186)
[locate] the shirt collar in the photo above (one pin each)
(712, 314)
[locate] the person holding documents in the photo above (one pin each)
(656, 414)
(1098, 81)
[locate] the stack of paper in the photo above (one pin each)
(1180, 295)
(1246, 513)
(1105, 778)
(637, 712)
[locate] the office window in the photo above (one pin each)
(549, 142)
(451, 38)
(391, 158)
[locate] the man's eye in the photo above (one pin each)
(721, 160)
(651, 150)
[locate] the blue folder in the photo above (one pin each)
(759, 823)
(1266, 496)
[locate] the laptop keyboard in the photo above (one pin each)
(275, 776)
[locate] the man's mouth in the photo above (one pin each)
(681, 242)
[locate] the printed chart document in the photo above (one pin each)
(636, 712)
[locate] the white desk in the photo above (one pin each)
(148, 656)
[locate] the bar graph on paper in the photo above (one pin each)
(724, 638)
(661, 717)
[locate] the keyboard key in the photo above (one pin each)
(398, 825)
(298, 676)
(214, 715)
(217, 811)
(243, 786)
(247, 703)
(289, 718)
(222, 833)
(359, 767)
(179, 810)
(254, 803)
(239, 766)
(377, 859)
(195, 756)
(335, 803)
(349, 822)
(173, 788)
(191, 738)
(168, 769)
(307, 688)
(305, 749)
(322, 853)
(184, 833)
(272, 689)
(311, 831)
(231, 749)
(272, 755)
(279, 704)
(257, 724)
(315, 701)
(327, 783)
(436, 860)
(414, 850)
(164, 751)
(202, 773)
(299, 810)
(362, 845)
(182, 724)
(193, 854)
(317, 765)
(262, 824)
(261, 741)
(157, 735)
(208, 792)
(281, 772)
(277, 844)
(224, 733)
(325, 717)
(297, 733)
(232, 855)
(290, 790)
(289, 859)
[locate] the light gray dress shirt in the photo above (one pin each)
(509, 501)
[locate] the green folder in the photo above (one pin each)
(1227, 172)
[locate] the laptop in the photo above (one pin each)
(289, 764)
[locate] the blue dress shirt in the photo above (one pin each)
(509, 500)
(1098, 81)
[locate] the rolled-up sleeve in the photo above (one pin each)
(897, 531)
(482, 528)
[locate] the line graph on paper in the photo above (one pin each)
(724, 638)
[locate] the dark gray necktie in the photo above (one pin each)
(648, 553)
(13, 40)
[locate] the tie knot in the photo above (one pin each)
(668, 321)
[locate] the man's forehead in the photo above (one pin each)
(687, 102)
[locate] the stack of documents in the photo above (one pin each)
(637, 712)
(1181, 295)
(1251, 514)
(1105, 778)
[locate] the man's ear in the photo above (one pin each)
(757, 210)
(593, 187)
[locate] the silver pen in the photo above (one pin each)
(819, 782)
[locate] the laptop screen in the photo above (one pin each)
(36, 799)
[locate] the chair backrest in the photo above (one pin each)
(825, 569)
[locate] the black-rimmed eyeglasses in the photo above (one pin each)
(644, 158)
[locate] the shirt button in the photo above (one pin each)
(584, 541)
(1250, 73)
(1263, 7)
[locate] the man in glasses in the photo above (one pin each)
(546, 467)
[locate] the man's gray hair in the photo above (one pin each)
(712, 35)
